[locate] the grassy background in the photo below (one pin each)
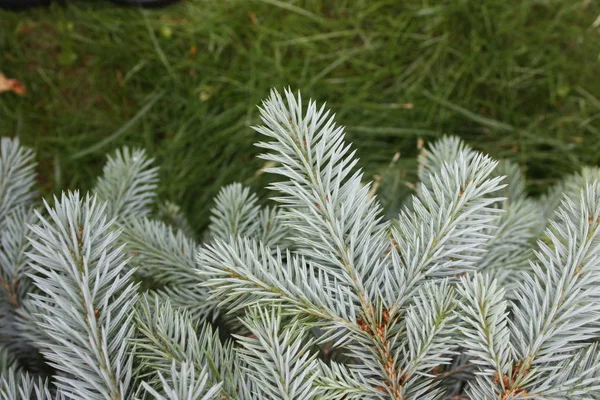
(517, 79)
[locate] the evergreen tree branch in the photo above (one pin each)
(509, 251)
(339, 382)
(569, 187)
(279, 359)
(184, 384)
(446, 232)
(577, 377)
(338, 224)
(167, 257)
(18, 385)
(128, 184)
(87, 299)
(13, 263)
(271, 231)
(515, 181)
(169, 337)
(15, 285)
(243, 273)
(557, 309)
(7, 361)
(334, 217)
(237, 213)
(17, 178)
(447, 150)
(429, 341)
(485, 333)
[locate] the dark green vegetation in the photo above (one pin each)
(517, 79)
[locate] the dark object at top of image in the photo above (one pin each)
(22, 4)
(145, 3)
(26, 4)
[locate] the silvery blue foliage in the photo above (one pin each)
(473, 290)
(85, 299)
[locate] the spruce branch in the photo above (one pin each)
(557, 309)
(485, 333)
(326, 299)
(15, 384)
(447, 150)
(336, 381)
(577, 377)
(86, 299)
(509, 251)
(513, 234)
(271, 230)
(450, 148)
(169, 338)
(17, 178)
(27, 329)
(244, 273)
(15, 287)
(515, 181)
(278, 357)
(339, 226)
(13, 263)
(128, 184)
(166, 257)
(429, 341)
(336, 222)
(184, 383)
(569, 187)
(446, 232)
(554, 314)
(163, 253)
(237, 213)
(7, 361)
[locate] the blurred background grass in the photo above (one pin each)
(516, 79)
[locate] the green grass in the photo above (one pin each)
(517, 79)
